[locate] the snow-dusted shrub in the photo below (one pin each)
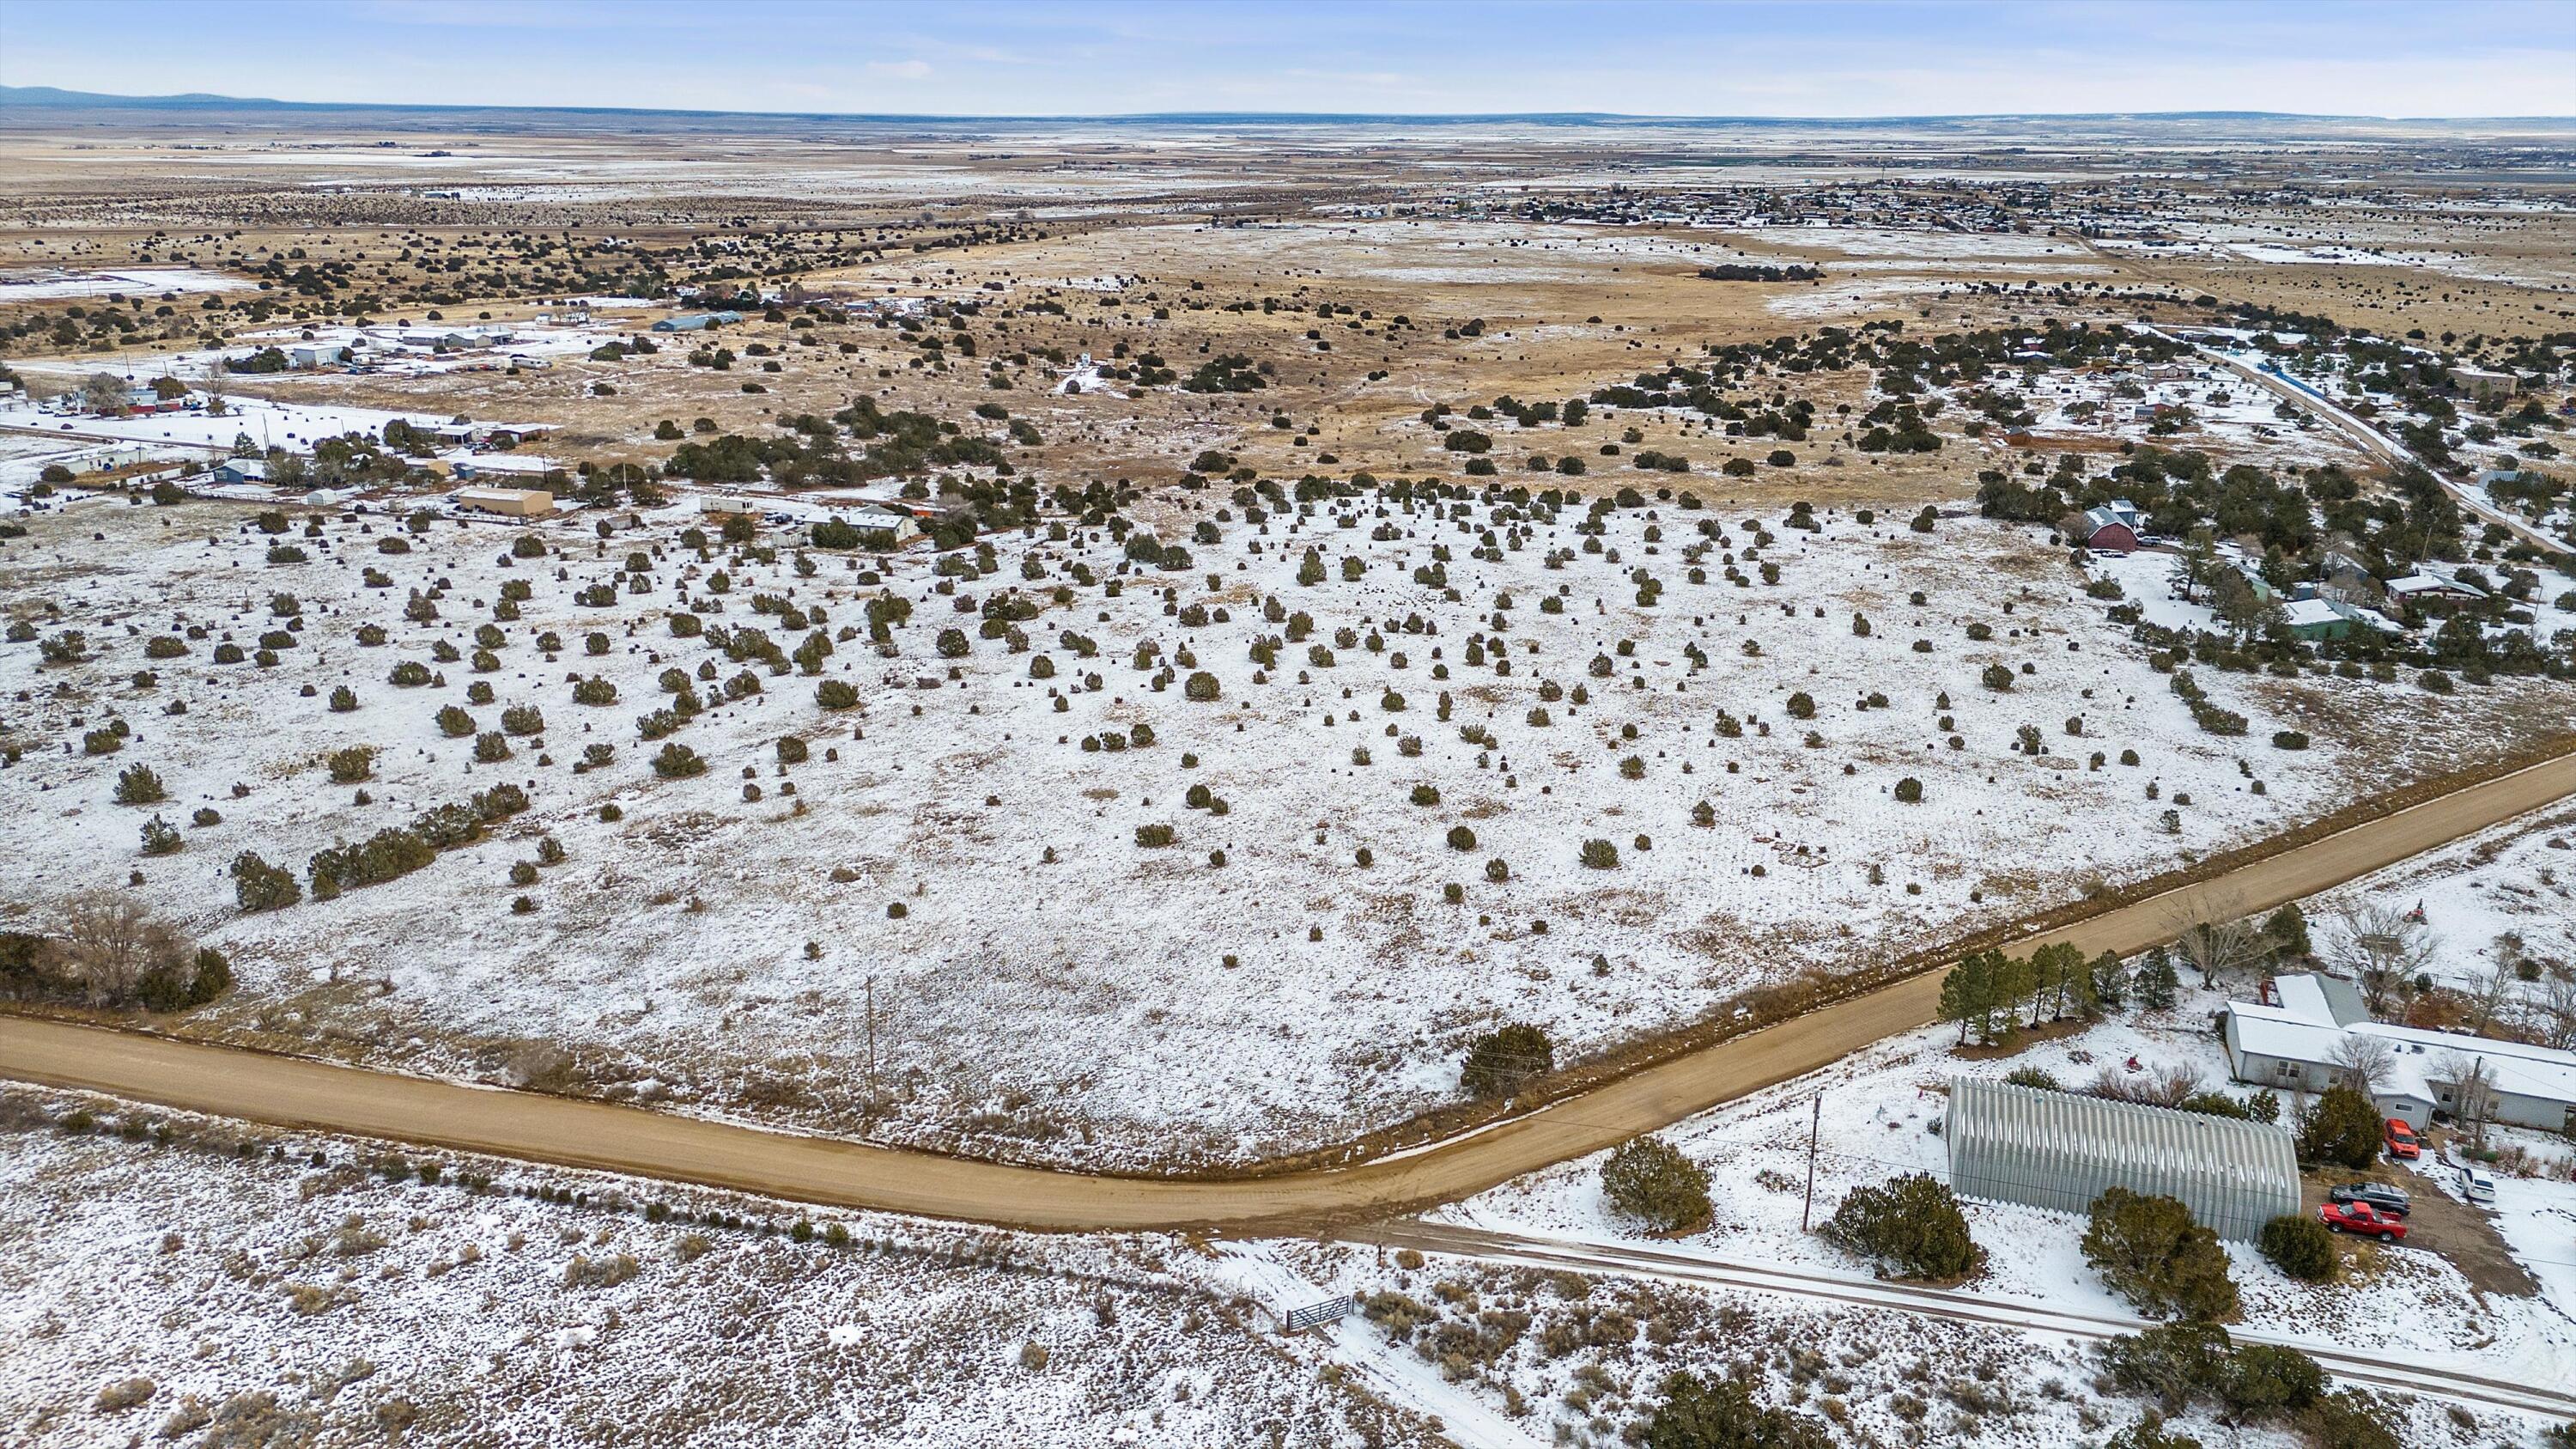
(2299, 1246)
(1500, 1061)
(2149, 1250)
(1650, 1180)
(1909, 1224)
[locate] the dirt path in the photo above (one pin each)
(293, 1092)
(2448, 1378)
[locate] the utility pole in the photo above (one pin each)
(1815, 1115)
(872, 1043)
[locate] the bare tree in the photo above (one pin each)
(2381, 949)
(218, 390)
(2487, 995)
(2364, 1062)
(2550, 1004)
(104, 393)
(2166, 1086)
(2473, 1094)
(2218, 943)
(108, 942)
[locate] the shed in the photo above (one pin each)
(242, 470)
(513, 502)
(2060, 1151)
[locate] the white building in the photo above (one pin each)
(2295, 1042)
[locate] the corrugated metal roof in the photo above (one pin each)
(2061, 1150)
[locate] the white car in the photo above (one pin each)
(2475, 1185)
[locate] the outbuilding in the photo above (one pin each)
(697, 321)
(510, 502)
(2112, 528)
(2061, 1150)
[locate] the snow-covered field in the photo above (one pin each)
(293, 426)
(1048, 987)
(2498, 900)
(54, 284)
(250, 1284)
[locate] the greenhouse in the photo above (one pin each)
(2058, 1150)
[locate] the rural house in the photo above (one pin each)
(2295, 1041)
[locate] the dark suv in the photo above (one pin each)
(2390, 1200)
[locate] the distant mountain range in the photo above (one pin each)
(55, 98)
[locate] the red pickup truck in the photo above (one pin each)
(2362, 1218)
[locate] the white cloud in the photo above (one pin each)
(899, 69)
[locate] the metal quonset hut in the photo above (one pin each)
(2059, 1150)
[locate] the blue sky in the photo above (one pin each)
(2467, 58)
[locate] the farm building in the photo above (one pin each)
(513, 502)
(146, 401)
(242, 470)
(2060, 1150)
(2297, 1040)
(2111, 528)
(696, 321)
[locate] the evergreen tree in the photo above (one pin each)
(1911, 1224)
(2156, 983)
(2287, 933)
(2015, 981)
(2110, 979)
(1650, 1180)
(1963, 993)
(1501, 1060)
(2342, 1128)
(2148, 1250)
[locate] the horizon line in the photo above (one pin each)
(42, 96)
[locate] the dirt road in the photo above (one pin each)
(2386, 449)
(292, 1092)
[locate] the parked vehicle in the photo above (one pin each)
(2403, 1144)
(2362, 1218)
(2476, 1185)
(2379, 1196)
